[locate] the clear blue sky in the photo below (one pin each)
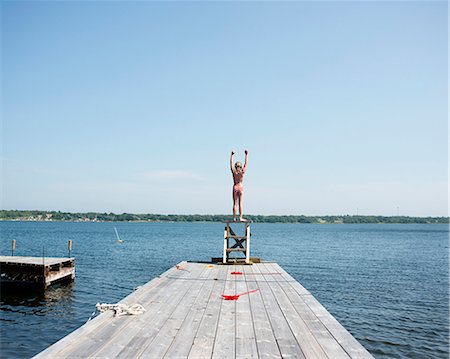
(135, 106)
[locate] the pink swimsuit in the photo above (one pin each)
(238, 188)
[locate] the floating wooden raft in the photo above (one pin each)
(187, 317)
(35, 271)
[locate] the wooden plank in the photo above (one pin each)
(287, 277)
(308, 343)
(342, 336)
(32, 260)
(225, 339)
(187, 318)
(330, 346)
(317, 328)
(83, 335)
(61, 274)
(266, 343)
(166, 334)
(204, 338)
(155, 301)
(149, 329)
(115, 327)
(237, 237)
(286, 341)
(184, 338)
(245, 333)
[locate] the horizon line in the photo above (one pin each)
(222, 214)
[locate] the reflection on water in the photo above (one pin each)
(56, 299)
(31, 314)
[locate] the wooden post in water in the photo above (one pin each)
(13, 247)
(69, 246)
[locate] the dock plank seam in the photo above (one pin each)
(186, 317)
(246, 346)
(313, 346)
(153, 303)
(348, 348)
(251, 311)
(207, 286)
(151, 347)
(227, 310)
(283, 345)
(198, 350)
(96, 324)
(98, 321)
(95, 344)
(309, 345)
(322, 339)
(296, 300)
(149, 329)
(266, 343)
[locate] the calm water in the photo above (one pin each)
(387, 284)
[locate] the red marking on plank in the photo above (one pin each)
(237, 273)
(236, 296)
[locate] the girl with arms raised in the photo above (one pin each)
(238, 188)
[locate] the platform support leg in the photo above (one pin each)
(247, 242)
(225, 245)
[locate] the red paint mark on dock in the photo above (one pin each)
(236, 296)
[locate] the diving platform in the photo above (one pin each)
(236, 244)
(205, 310)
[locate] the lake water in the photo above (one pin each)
(387, 284)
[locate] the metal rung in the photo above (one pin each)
(236, 250)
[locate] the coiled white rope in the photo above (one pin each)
(121, 309)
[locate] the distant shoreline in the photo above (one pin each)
(58, 216)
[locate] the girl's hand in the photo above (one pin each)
(246, 152)
(232, 153)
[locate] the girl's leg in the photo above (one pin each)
(241, 205)
(235, 204)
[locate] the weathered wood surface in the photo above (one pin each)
(186, 317)
(37, 261)
(40, 272)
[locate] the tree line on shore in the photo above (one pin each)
(148, 217)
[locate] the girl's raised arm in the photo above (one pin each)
(246, 160)
(231, 161)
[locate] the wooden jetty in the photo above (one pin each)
(201, 310)
(37, 272)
